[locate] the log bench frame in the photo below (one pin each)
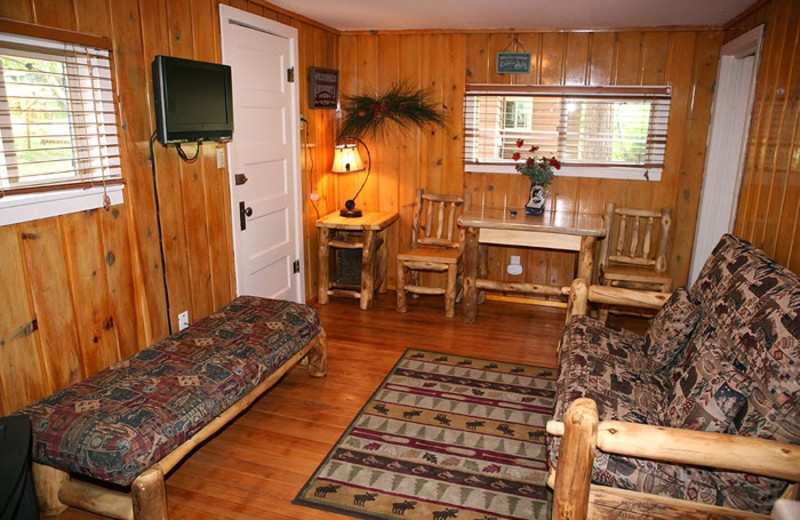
(147, 499)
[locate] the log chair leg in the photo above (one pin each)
(414, 280)
(48, 481)
(401, 287)
(318, 356)
(483, 268)
(460, 282)
(450, 291)
(149, 495)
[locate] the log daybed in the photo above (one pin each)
(105, 443)
(698, 419)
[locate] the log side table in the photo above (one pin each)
(370, 228)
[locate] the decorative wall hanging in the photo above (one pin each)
(401, 104)
(513, 62)
(323, 87)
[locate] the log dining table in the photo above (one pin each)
(561, 230)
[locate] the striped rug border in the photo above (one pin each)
(306, 488)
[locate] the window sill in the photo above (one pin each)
(15, 209)
(589, 172)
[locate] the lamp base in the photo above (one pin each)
(350, 213)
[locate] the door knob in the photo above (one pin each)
(244, 212)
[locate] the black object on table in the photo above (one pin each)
(17, 498)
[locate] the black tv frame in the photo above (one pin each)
(170, 132)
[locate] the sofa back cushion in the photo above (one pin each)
(750, 307)
(669, 332)
(706, 391)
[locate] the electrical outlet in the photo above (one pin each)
(220, 158)
(183, 320)
(514, 267)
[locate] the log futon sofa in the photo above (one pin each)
(698, 419)
(105, 443)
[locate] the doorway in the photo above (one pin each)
(263, 155)
(727, 143)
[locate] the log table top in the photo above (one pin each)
(370, 220)
(561, 222)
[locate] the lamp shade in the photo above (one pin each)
(346, 159)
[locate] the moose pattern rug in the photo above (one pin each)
(443, 437)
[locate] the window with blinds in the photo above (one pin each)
(617, 132)
(57, 116)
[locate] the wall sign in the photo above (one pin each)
(323, 87)
(513, 62)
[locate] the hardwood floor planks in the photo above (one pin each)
(254, 467)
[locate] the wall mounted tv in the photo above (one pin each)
(193, 100)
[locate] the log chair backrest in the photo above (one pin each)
(630, 237)
(435, 219)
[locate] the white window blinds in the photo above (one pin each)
(58, 121)
(584, 127)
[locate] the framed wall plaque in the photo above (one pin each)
(323, 87)
(513, 62)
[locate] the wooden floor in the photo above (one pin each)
(254, 468)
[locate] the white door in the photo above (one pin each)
(263, 156)
(727, 142)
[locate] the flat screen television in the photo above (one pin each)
(193, 100)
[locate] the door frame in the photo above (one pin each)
(228, 15)
(726, 147)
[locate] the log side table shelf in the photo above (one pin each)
(337, 232)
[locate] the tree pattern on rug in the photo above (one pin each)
(443, 437)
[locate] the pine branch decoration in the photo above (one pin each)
(401, 103)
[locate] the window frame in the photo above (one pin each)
(602, 171)
(55, 200)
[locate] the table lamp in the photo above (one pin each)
(346, 159)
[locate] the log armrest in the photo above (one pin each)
(580, 294)
(582, 433)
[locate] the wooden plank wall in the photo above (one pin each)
(769, 203)
(444, 62)
(81, 291)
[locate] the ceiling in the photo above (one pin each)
(364, 15)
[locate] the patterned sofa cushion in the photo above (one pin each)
(669, 331)
(605, 363)
(706, 392)
(751, 316)
(121, 421)
(737, 374)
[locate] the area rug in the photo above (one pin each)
(443, 437)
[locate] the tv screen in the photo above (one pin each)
(193, 100)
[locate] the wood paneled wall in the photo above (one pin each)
(81, 291)
(769, 203)
(432, 159)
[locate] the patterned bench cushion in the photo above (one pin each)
(119, 422)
